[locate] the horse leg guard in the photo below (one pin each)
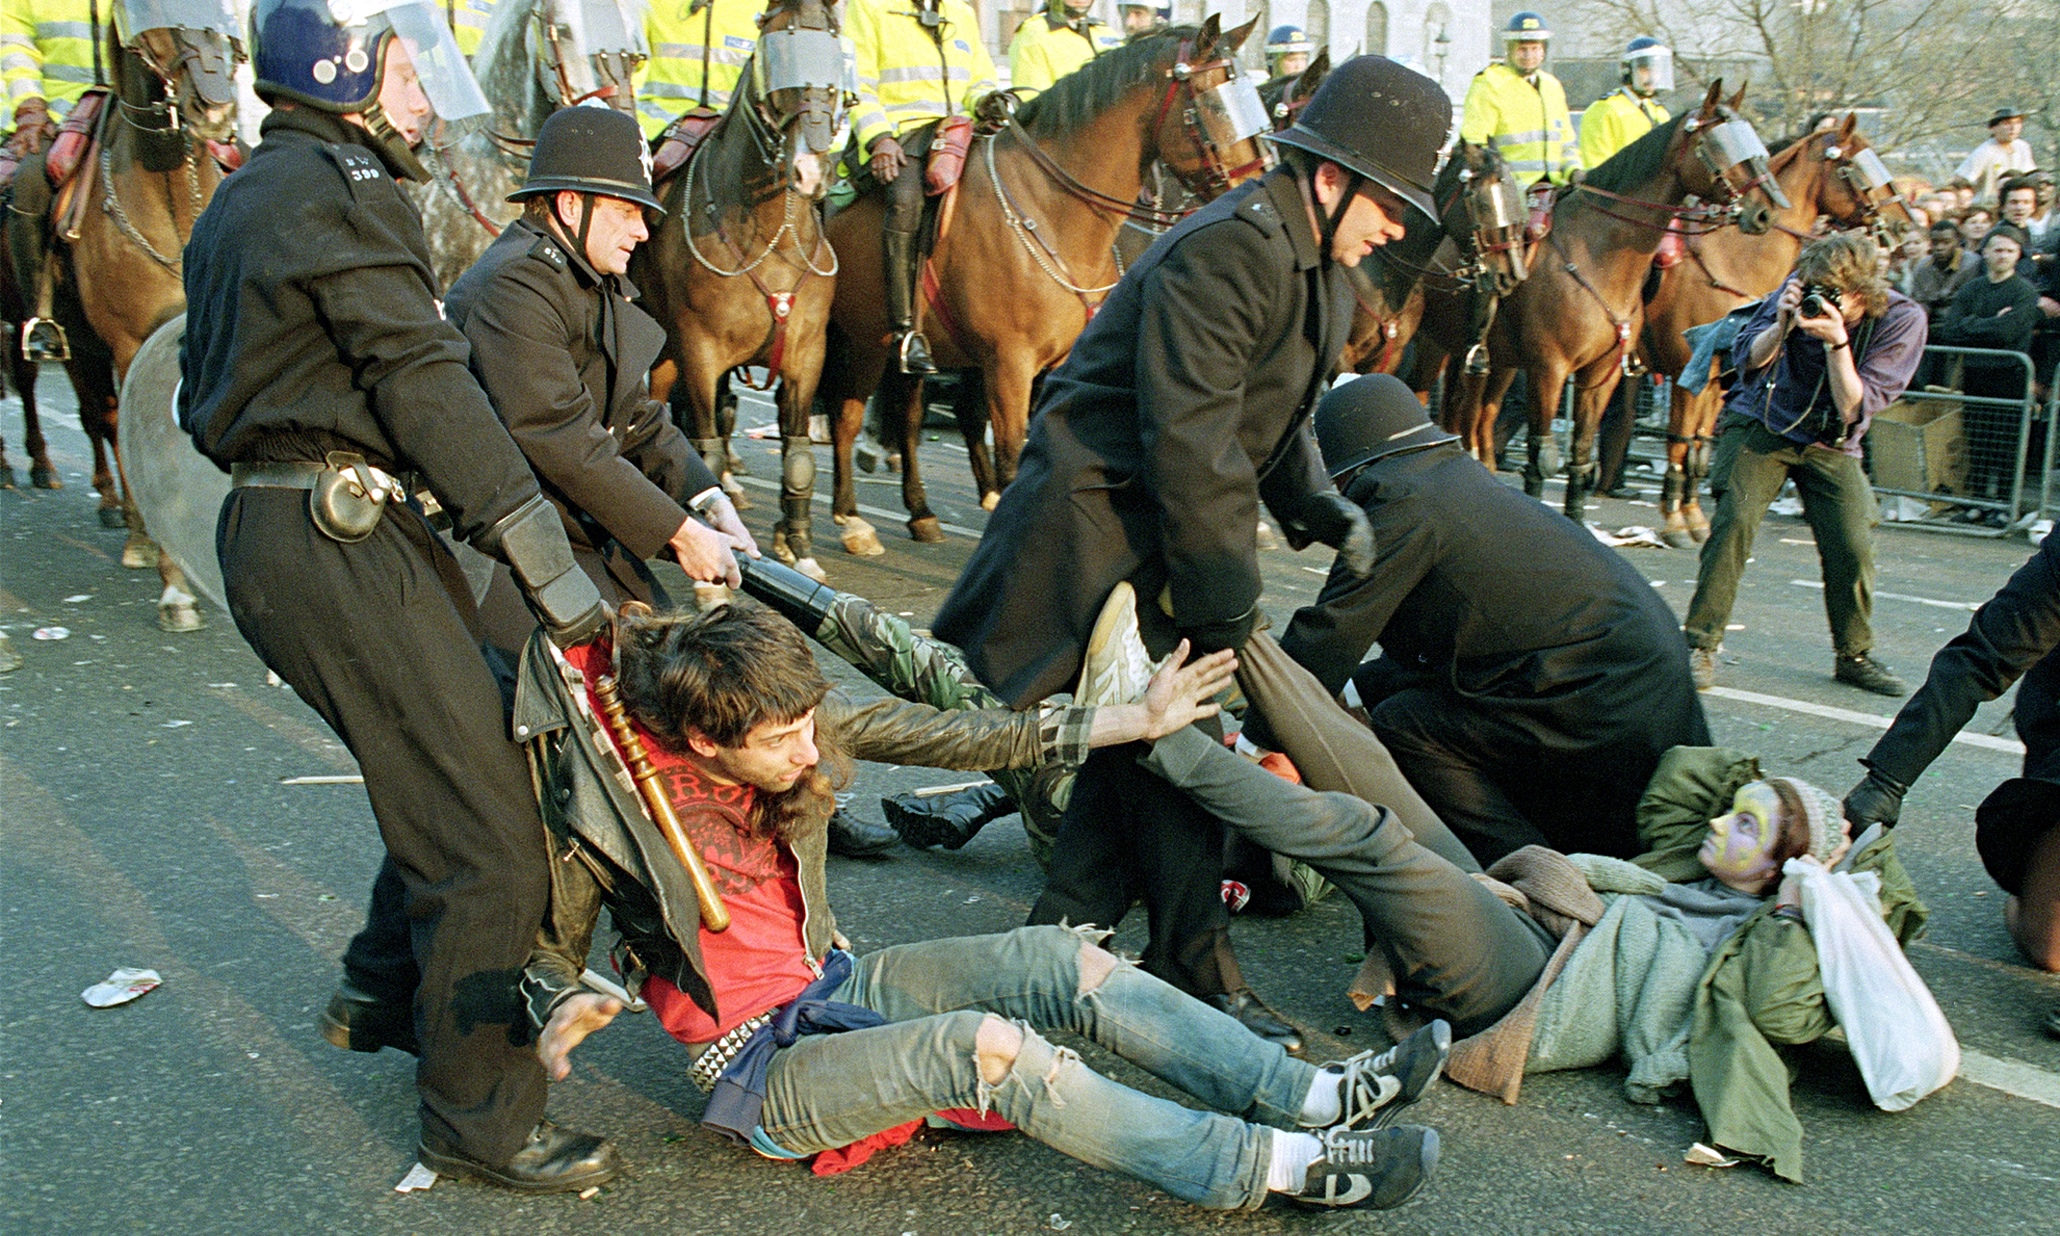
(726, 427)
(1580, 482)
(793, 540)
(1674, 529)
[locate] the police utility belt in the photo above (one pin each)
(346, 495)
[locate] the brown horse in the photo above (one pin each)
(739, 270)
(153, 172)
(1026, 250)
(1578, 313)
(1475, 243)
(1831, 174)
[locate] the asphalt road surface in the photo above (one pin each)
(146, 824)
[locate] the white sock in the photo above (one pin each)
(1292, 1155)
(1325, 1103)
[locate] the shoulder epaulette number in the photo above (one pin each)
(360, 167)
(548, 252)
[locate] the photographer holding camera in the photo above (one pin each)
(1822, 354)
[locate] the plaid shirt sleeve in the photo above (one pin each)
(1064, 731)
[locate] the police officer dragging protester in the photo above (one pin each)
(564, 353)
(1520, 110)
(1183, 406)
(318, 370)
(916, 64)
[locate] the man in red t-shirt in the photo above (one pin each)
(806, 1048)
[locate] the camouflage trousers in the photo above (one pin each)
(907, 665)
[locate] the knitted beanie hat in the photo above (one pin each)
(1823, 812)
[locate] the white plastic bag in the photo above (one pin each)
(1903, 1043)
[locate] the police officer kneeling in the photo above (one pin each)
(318, 370)
(565, 356)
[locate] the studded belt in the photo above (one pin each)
(715, 1058)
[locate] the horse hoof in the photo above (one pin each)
(1264, 537)
(179, 618)
(7, 480)
(811, 568)
(859, 538)
(139, 553)
(1534, 484)
(1679, 538)
(43, 478)
(927, 530)
(894, 461)
(112, 517)
(990, 500)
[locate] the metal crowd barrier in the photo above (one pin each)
(1959, 463)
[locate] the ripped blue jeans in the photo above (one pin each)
(830, 1090)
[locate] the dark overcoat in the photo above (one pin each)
(1183, 403)
(1510, 609)
(566, 357)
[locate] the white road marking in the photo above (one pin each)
(1972, 739)
(2012, 1077)
(1964, 607)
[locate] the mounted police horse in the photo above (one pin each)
(150, 172)
(535, 57)
(1577, 316)
(1025, 247)
(738, 270)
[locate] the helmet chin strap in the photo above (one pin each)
(1337, 212)
(392, 143)
(586, 221)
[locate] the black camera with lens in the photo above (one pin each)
(1819, 300)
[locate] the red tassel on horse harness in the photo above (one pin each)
(948, 154)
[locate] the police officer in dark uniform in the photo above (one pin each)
(1530, 678)
(318, 370)
(565, 356)
(1183, 405)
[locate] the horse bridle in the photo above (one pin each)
(1730, 134)
(1232, 107)
(168, 78)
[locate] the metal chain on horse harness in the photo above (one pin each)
(1047, 258)
(111, 202)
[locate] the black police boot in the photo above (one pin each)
(553, 1160)
(913, 349)
(799, 599)
(948, 820)
(360, 1021)
(1251, 1013)
(852, 837)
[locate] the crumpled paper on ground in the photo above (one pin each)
(120, 987)
(1636, 536)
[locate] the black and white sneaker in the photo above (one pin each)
(1370, 1169)
(1375, 1086)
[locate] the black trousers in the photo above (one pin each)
(1126, 835)
(378, 638)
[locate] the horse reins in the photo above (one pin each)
(110, 199)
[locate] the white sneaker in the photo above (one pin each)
(1116, 669)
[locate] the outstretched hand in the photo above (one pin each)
(571, 1022)
(1181, 693)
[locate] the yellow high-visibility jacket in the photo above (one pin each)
(1528, 125)
(1616, 120)
(468, 22)
(1047, 47)
(694, 44)
(906, 78)
(46, 51)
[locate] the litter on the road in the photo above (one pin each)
(590, 1192)
(75, 599)
(418, 1177)
(1706, 1156)
(1636, 536)
(50, 633)
(120, 987)
(328, 779)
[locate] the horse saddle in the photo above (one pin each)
(74, 137)
(680, 140)
(1673, 247)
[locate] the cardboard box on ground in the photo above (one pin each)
(1919, 444)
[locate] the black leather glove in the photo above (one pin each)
(1338, 522)
(1878, 799)
(1224, 633)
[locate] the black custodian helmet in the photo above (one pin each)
(1380, 120)
(1372, 418)
(591, 150)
